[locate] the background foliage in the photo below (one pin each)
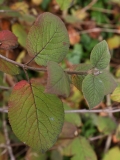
(93, 135)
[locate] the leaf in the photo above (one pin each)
(113, 153)
(105, 125)
(7, 40)
(48, 39)
(36, 118)
(58, 81)
(93, 90)
(64, 4)
(8, 67)
(78, 79)
(73, 118)
(33, 155)
(114, 42)
(20, 32)
(116, 94)
(100, 56)
(80, 149)
(108, 82)
(56, 153)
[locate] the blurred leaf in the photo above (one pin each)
(114, 42)
(80, 149)
(34, 155)
(118, 132)
(8, 40)
(105, 125)
(45, 4)
(76, 54)
(113, 153)
(51, 37)
(35, 117)
(78, 79)
(69, 131)
(116, 94)
(76, 97)
(8, 67)
(115, 1)
(64, 4)
(20, 32)
(108, 82)
(73, 118)
(73, 35)
(1, 2)
(8, 12)
(100, 56)
(22, 7)
(1, 78)
(37, 2)
(58, 81)
(93, 90)
(55, 154)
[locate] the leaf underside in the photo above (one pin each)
(58, 81)
(36, 118)
(8, 40)
(8, 67)
(100, 56)
(48, 39)
(93, 90)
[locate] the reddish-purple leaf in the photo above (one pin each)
(8, 40)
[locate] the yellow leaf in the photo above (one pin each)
(114, 42)
(116, 94)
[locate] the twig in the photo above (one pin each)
(93, 111)
(88, 6)
(37, 69)
(96, 138)
(9, 148)
(5, 110)
(102, 10)
(5, 88)
(98, 29)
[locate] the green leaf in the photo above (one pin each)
(34, 155)
(20, 32)
(105, 125)
(48, 39)
(93, 90)
(80, 149)
(73, 118)
(58, 81)
(8, 67)
(117, 134)
(78, 79)
(108, 82)
(113, 153)
(64, 4)
(36, 118)
(116, 94)
(100, 56)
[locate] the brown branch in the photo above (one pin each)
(38, 69)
